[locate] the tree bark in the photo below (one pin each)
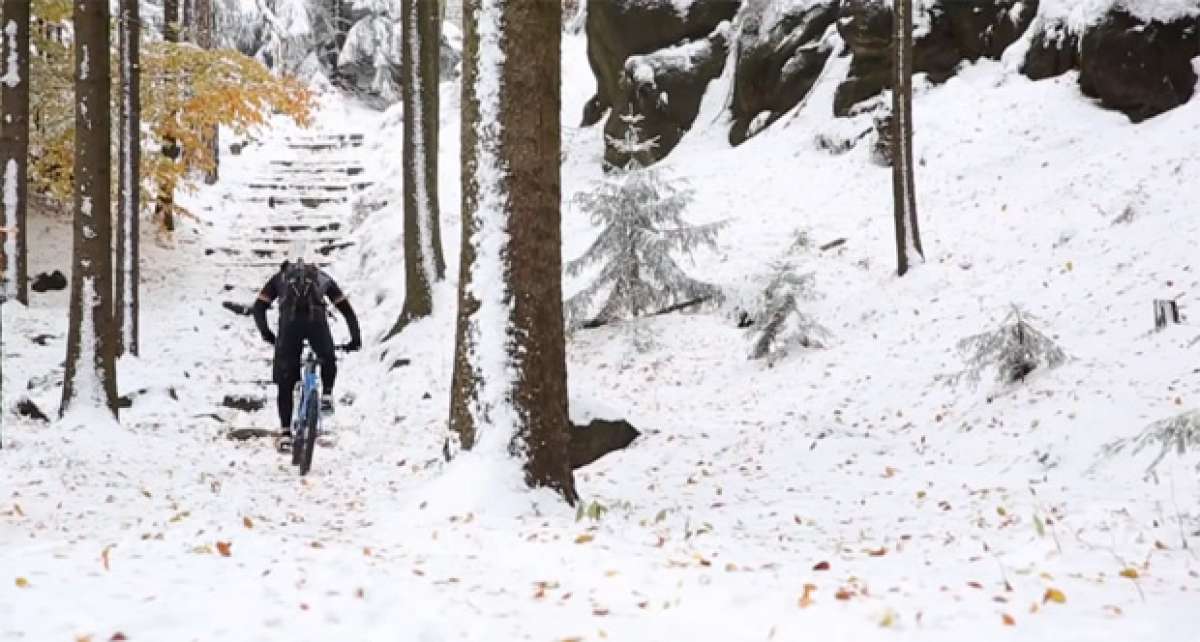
(164, 199)
(908, 237)
(91, 376)
(424, 263)
(129, 180)
(14, 148)
(509, 389)
(205, 19)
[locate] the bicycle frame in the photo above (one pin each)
(309, 381)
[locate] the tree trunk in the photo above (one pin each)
(423, 261)
(129, 179)
(908, 237)
(205, 19)
(14, 149)
(91, 376)
(509, 390)
(164, 199)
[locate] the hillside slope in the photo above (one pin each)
(914, 509)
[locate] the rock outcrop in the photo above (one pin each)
(947, 34)
(619, 29)
(781, 53)
(666, 88)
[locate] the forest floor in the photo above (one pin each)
(848, 493)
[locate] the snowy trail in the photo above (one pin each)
(844, 494)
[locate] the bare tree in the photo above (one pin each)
(14, 148)
(205, 19)
(164, 198)
(91, 375)
(509, 390)
(423, 261)
(908, 236)
(129, 178)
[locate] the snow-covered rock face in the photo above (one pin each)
(947, 33)
(619, 29)
(781, 53)
(665, 88)
(1139, 66)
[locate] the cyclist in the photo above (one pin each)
(302, 288)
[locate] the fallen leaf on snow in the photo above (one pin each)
(104, 555)
(585, 538)
(843, 594)
(22, 582)
(1054, 595)
(247, 522)
(223, 548)
(117, 637)
(878, 552)
(1130, 572)
(806, 599)
(1007, 619)
(975, 585)
(821, 566)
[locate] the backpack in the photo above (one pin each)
(301, 293)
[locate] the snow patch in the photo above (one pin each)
(12, 69)
(10, 238)
(1078, 15)
(490, 328)
(89, 404)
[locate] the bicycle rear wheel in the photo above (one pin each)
(308, 440)
(297, 427)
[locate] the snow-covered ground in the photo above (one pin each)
(842, 494)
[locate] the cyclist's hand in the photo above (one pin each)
(269, 337)
(355, 345)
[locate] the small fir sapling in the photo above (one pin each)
(1015, 349)
(777, 323)
(641, 210)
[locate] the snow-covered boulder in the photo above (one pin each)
(666, 88)
(947, 33)
(618, 29)
(1135, 58)
(781, 51)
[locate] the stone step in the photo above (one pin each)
(284, 240)
(275, 251)
(330, 172)
(301, 227)
(291, 185)
(310, 202)
(263, 265)
(323, 147)
(327, 138)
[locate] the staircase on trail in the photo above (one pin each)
(303, 192)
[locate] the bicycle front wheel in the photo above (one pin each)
(309, 439)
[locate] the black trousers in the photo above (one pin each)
(289, 345)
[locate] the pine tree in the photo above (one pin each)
(778, 324)
(90, 380)
(908, 235)
(14, 149)
(423, 261)
(1015, 349)
(509, 389)
(129, 178)
(641, 212)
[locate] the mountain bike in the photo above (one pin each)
(306, 421)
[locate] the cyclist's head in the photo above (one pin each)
(297, 252)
